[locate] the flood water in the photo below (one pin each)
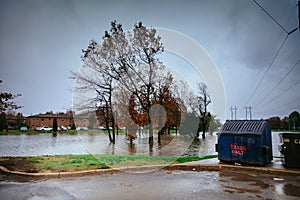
(98, 143)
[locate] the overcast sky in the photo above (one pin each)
(41, 41)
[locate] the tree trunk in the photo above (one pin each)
(203, 135)
(159, 137)
(203, 128)
(150, 134)
(151, 148)
(114, 135)
(131, 140)
(109, 136)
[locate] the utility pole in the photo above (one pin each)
(246, 108)
(250, 112)
(250, 108)
(235, 109)
(233, 112)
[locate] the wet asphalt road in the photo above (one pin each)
(157, 185)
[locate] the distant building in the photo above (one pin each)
(39, 120)
(82, 120)
(14, 122)
(87, 119)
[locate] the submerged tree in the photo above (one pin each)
(203, 101)
(169, 111)
(199, 105)
(127, 60)
(54, 125)
(125, 82)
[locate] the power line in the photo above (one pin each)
(283, 92)
(270, 92)
(281, 108)
(270, 16)
(270, 65)
(268, 68)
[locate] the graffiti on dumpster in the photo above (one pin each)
(237, 149)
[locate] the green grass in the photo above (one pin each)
(130, 160)
(194, 158)
(34, 159)
(66, 162)
(17, 132)
(104, 161)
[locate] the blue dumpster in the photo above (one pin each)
(245, 141)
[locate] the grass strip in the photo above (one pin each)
(60, 163)
(194, 158)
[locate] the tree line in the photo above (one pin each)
(290, 122)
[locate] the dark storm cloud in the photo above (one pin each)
(36, 52)
(40, 41)
(250, 36)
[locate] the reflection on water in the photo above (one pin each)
(98, 143)
(131, 149)
(253, 184)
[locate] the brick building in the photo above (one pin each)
(39, 120)
(86, 119)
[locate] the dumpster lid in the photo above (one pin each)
(244, 127)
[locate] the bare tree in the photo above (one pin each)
(94, 91)
(143, 69)
(198, 104)
(203, 100)
(123, 59)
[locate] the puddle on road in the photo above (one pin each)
(245, 178)
(232, 189)
(250, 183)
(261, 184)
(291, 190)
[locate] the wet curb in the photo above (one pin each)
(234, 168)
(182, 167)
